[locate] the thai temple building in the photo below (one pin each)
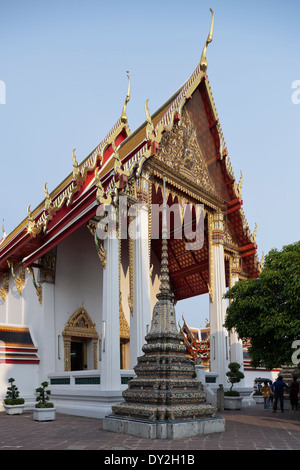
(80, 274)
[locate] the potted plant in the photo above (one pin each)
(232, 398)
(44, 409)
(13, 404)
(257, 393)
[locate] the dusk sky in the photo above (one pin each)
(63, 84)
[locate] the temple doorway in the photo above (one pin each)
(80, 342)
(79, 354)
(124, 353)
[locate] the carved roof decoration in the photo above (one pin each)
(124, 326)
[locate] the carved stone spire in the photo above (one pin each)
(165, 289)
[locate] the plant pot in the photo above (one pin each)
(14, 409)
(44, 414)
(258, 399)
(232, 403)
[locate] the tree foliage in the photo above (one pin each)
(234, 374)
(12, 394)
(43, 396)
(267, 309)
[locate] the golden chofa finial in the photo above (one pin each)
(100, 189)
(3, 231)
(31, 221)
(149, 127)
(48, 201)
(255, 233)
(75, 165)
(203, 61)
(239, 187)
(124, 114)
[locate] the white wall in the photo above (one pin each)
(78, 279)
(21, 311)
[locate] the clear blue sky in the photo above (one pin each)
(64, 65)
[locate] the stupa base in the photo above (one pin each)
(163, 429)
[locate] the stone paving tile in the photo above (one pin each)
(247, 429)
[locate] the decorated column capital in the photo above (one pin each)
(218, 228)
(142, 187)
(235, 266)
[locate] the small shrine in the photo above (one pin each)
(165, 400)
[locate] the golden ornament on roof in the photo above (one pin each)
(124, 114)
(149, 126)
(203, 61)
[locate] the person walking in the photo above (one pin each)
(266, 394)
(294, 390)
(278, 386)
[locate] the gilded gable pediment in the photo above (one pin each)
(80, 323)
(180, 150)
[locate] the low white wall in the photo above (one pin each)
(26, 379)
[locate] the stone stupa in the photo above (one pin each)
(165, 400)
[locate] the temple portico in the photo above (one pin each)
(80, 274)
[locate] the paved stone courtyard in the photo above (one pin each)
(247, 429)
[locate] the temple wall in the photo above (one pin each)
(125, 294)
(125, 291)
(21, 311)
(78, 280)
(3, 311)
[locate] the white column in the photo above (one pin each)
(141, 318)
(47, 334)
(236, 345)
(110, 362)
(219, 344)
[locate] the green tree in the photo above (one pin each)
(234, 376)
(267, 309)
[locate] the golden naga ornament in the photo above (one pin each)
(99, 186)
(124, 114)
(3, 231)
(49, 209)
(5, 286)
(19, 280)
(203, 61)
(38, 287)
(240, 185)
(48, 201)
(149, 126)
(118, 163)
(32, 228)
(92, 225)
(76, 172)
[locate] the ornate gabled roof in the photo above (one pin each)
(60, 206)
(120, 155)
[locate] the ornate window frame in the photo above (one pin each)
(79, 325)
